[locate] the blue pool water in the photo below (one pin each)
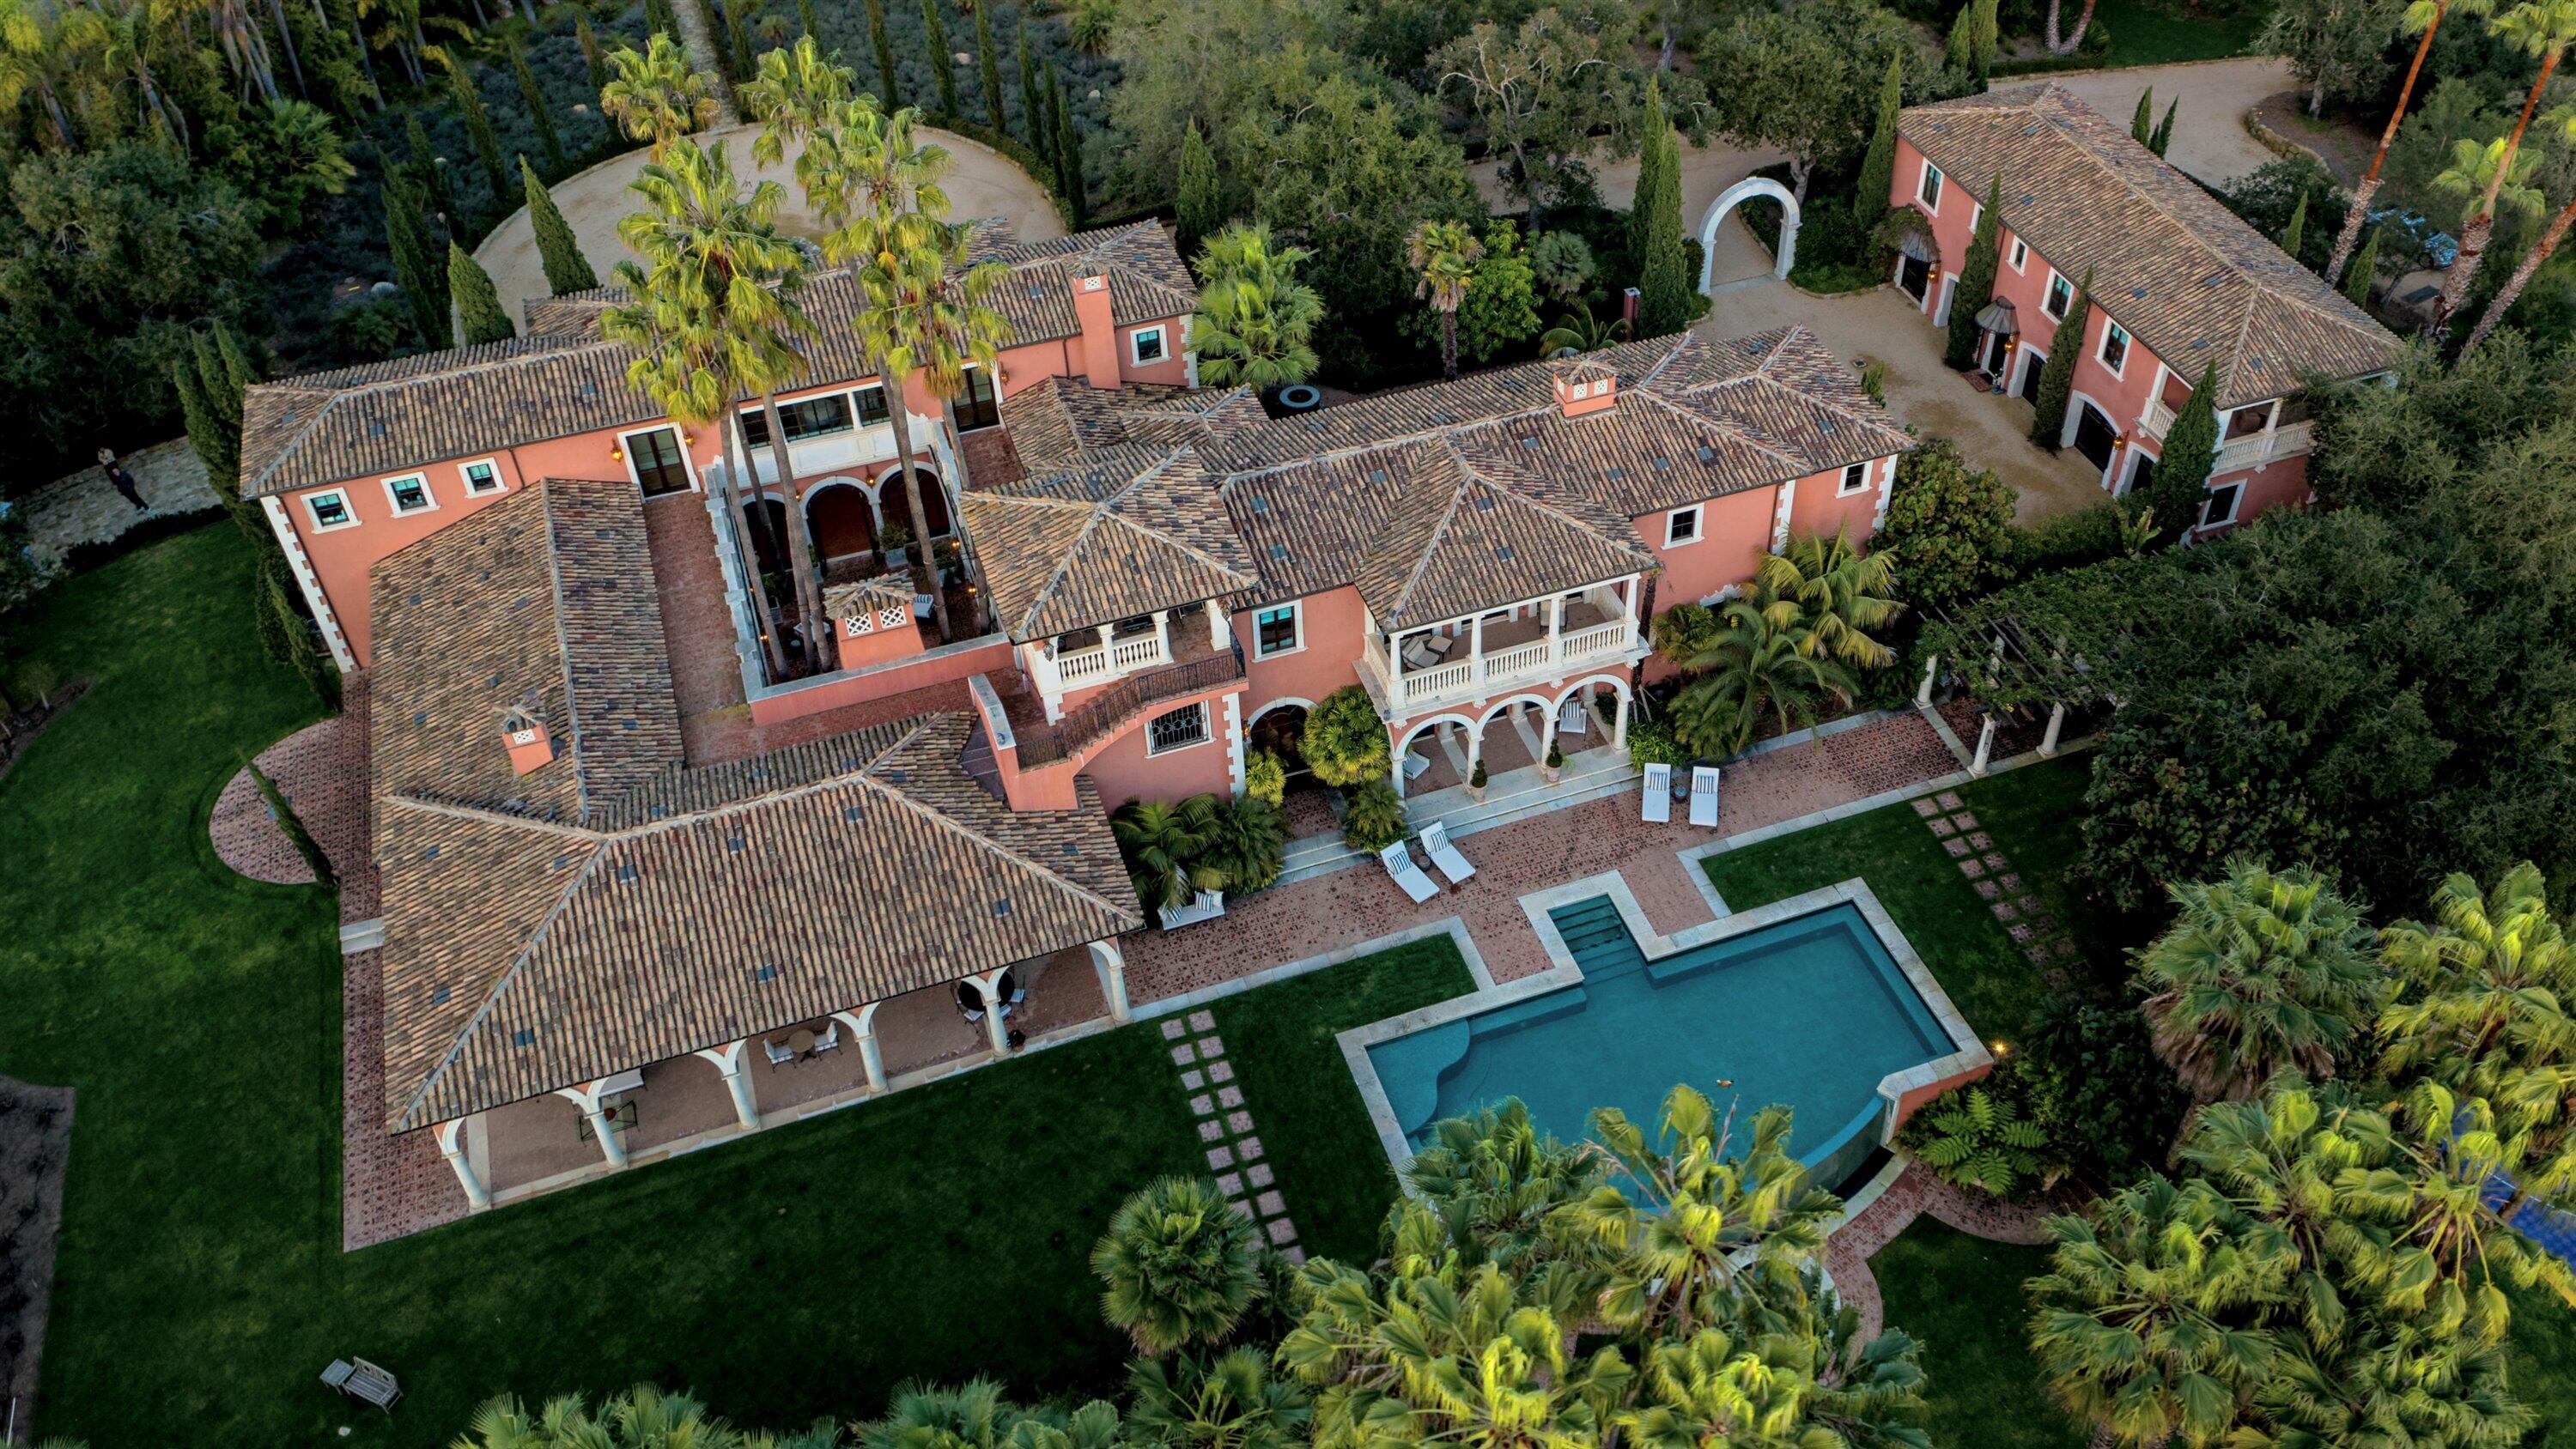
(1811, 1012)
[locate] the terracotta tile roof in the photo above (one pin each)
(1128, 531)
(1062, 420)
(2185, 275)
(560, 378)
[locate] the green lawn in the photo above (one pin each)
(2151, 34)
(1962, 1297)
(941, 1232)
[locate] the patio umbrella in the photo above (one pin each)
(1997, 317)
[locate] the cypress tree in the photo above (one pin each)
(591, 58)
(1197, 209)
(1663, 264)
(2142, 126)
(1032, 112)
(1961, 53)
(427, 174)
(1878, 167)
(660, 18)
(2163, 136)
(480, 317)
(2357, 277)
(2057, 377)
(1650, 160)
(535, 100)
(1976, 279)
(241, 369)
(205, 430)
(1990, 33)
(808, 21)
(424, 284)
(567, 270)
(934, 34)
(885, 54)
(2182, 469)
(2297, 231)
(220, 395)
(740, 66)
(1068, 159)
(478, 124)
(271, 613)
(988, 70)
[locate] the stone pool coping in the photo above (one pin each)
(1970, 1054)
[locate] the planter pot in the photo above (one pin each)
(1551, 773)
(1476, 793)
(897, 558)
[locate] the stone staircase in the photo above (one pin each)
(1511, 796)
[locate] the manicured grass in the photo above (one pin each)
(1962, 1297)
(1333, 1172)
(2146, 34)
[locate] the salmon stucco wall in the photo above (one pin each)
(1332, 633)
(342, 557)
(991, 656)
(1735, 531)
(1820, 507)
(1124, 772)
(2282, 483)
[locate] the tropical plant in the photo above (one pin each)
(1496, 1180)
(2423, 17)
(2560, 122)
(2491, 178)
(1793, 1376)
(1180, 1266)
(642, 1417)
(1755, 668)
(1651, 742)
(1165, 848)
(2090, 1077)
(2261, 971)
(1255, 318)
(1443, 256)
(1833, 595)
(1345, 741)
(1265, 778)
(1372, 816)
(1245, 843)
(1564, 264)
(656, 96)
(1229, 1403)
(1979, 1136)
(1577, 332)
(974, 1415)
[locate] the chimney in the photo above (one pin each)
(1099, 330)
(1586, 387)
(525, 736)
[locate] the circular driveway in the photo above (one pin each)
(982, 183)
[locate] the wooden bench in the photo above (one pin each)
(360, 1379)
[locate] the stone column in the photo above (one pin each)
(863, 1031)
(996, 1031)
(728, 1061)
(587, 1099)
(1931, 672)
(1619, 724)
(2056, 720)
(1555, 624)
(1476, 645)
(1985, 746)
(478, 1198)
(1112, 966)
(1220, 627)
(1163, 631)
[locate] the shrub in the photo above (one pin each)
(1982, 1136)
(2071, 540)
(1651, 742)
(2093, 1082)
(1684, 632)
(1949, 525)
(1345, 740)
(1265, 779)
(1245, 841)
(1372, 817)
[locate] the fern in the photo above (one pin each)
(1978, 1136)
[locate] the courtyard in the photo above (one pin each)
(940, 1232)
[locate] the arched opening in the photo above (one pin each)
(897, 503)
(844, 526)
(2096, 436)
(1435, 754)
(768, 532)
(1281, 731)
(1729, 252)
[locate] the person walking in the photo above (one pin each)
(123, 480)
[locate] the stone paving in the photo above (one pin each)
(1226, 1130)
(1990, 871)
(321, 771)
(81, 508)
(1916, 1192)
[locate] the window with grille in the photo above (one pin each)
(1177, 729)
(1930, 191)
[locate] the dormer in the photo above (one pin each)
(524, 736)
(1585, 386)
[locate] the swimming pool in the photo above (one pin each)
(1807, 1007)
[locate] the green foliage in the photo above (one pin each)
(533, 99)
(988, 71)
(1949, 526)
(1878, 165)
(2092, 1081)
(1204, 843)
(1265, 778)
(1656, 237)
(1543, 87)
(2162, 136)
(1651, 742)
(284, 158)
(1230, 1403)
(2363, 270)
(1498, 311)
(2296, 230)
(1372, 816)
(1976, 279)
(2279, 193)
(936, 50)
(2337, 49)
(1345, 741)
(427, 177)
(424, 282)
(1180, 1266)
(1564, 264)
(1200, 208)
(1804, 80)
(480, 317)
(1684, 631)
(2057, 375)
(2089, 535)
(567, 270)
(1756, 670)
(468, 96)
(1068, 162)
(1255, 317)
(2181, 478)
(1033, 112)
(1979, 1136)
(2261, 972)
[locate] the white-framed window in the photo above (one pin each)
(1929, 191)
(1976, 217)
(2115, 346)
(2020, 253)
(1855, 478)
(2059, 296)
(1145, 345)
(1682, 526)
(410, 493)
(329, 509)
(657, 460)
(1278, 631)
(808, 417)
(482, 476)
(2220, 508)
(1177, 729)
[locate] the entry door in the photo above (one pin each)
(2095, 438)
(1914, 275)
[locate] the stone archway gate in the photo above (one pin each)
(1728, 200)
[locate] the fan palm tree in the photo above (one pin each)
(655, 95)
(1839, 594)
(1242, 840)
(974, 1415)
(1255, 317)
(1232, 1403)
(1791, 1376)
(1755, 668)
(793, 93)
(2560, 122)
(1576, 331)
(30, 52)
(2391, 1385)
(1180, 1264)
(1163, 845)
(120, 40)
(2544, 28)
(2422, 17)
(711, 311)
(927, 313)
(1443, 255)
(2146, 1322)
(1496, 1179)
(2449, 1214)
(2288, 1160)
(2261, 971)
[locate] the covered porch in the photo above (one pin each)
(677, 1105)
(1440, 752)
(1524, 642)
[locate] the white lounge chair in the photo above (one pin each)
(1435, 843)
(1655, 806)
(1399, 864)
(1569, 716)
(830, 1040)
(1205, 906)
(1704, 796)
(778, 1053)
(1414, 765)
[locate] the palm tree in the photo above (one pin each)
(1756, 667)
(1444, 254)
(1255, 317)
(1163, 846)
(2260, 972)
(794, 93)
(2146, 1322)
(1232, 1403)
(974, 1415)
(2544, 28)
(656, 96)
(1782, 1376)
(1181, 1265)
(2561, 121)
(1243, 840)
(2389, 1384)
(1577, 332)
(1496, 1179)
(2423, 17)
(1839, 594)
(2489, 176)
(712, 317)
(927, 313)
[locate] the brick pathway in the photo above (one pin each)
(1234, 1153)
(249, 838)
(321, 770)
(1916, 1192)
(2001, 887)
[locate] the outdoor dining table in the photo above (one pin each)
(800, 1041)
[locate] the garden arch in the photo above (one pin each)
(1414, 731)
(1728, 200)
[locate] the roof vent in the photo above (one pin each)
(1663, 464)
(853, 814)
(375, 427)
(430, 854)
(1616, 474)
(1278, 550)
(558, 862)
(764, 973)
(438, 996)
(1002, 908)
(733, 844)
(2138, 292)
(1504, 553)
(524, 736)
(1377, 475)
(628, 871)
(524, 1036)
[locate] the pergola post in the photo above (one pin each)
(478, 1198)
(2056, 720)
(1931, 672)
(587, 1099)
(1985, 746)
(1112, 966)
(996, 1031)
(862, 1024)
(728, 1061)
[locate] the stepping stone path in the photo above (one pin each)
(1998, 884)
(1234, 1153)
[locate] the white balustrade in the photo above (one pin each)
(2288, 440)
(1595, 642)
(1440, 679)
(1144, 649)
(2158, 420)
(1517, 660)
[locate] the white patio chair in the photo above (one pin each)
(830, 1040)
(778, 1053)
(1414, 765)
(1655, 806)
(1569, 716)
(1399, 864)
(1435, 843)
(1704, 796)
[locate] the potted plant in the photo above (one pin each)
(1476, 783)
(1553, 767)
(898, 545)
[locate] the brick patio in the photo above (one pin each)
(1916, 1192)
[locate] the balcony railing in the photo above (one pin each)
(1107, 712)
(1119, 656)
(2158, 420)
(1477, 676)
(2287, 441)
